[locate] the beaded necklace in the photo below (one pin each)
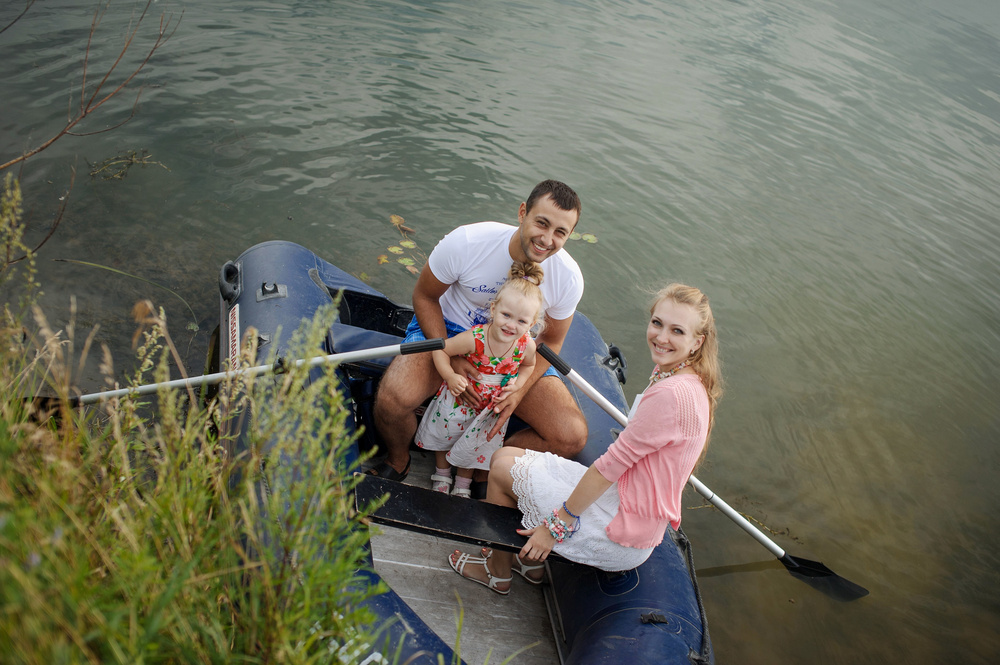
(657, 374)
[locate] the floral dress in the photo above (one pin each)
(450, 425)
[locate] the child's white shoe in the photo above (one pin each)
(463, 492)
(441, 483)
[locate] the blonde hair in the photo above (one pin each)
(705, 361)
(525, 277)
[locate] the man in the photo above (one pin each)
(453, 294)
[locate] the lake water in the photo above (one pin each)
(828, 172)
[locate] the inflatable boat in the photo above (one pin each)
(652, 614)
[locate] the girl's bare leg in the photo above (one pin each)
(441, 459)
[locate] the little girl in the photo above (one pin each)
(502, 350)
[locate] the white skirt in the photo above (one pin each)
(449, 424)
(542, 481)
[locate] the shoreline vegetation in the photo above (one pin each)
(177, 529)
(136, 532)
(139, 531)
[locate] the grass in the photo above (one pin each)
(171, 531)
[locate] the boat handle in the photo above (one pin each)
(229, 282)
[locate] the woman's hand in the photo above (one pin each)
(539, 544)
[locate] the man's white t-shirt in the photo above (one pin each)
(475, 260)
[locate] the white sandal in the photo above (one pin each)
(519, 567)
(523, 569)
(440, 483)
(463, 492)
(492, 581)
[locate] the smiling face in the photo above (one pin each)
(511, 316)
(672, 333)
(543, 230)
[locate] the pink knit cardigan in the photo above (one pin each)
(653, 458)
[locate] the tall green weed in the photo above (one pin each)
(137, 533)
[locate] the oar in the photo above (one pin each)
(812, 573)
(218, 377)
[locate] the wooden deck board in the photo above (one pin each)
(415, 565)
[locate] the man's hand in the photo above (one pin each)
(505, 407)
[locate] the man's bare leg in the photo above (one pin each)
(407, 382)
(555, 422)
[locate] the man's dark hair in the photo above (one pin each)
(562, 194)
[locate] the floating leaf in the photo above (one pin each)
(408, 244)
(396, 220)
(395, 250)
(364, 277)
(407, 229)
(413, 270)
(589, 237)
(405, 260)
(575, 236)
(382, 258)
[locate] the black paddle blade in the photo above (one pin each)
(823, 579)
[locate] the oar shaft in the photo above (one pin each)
(192, 382)
(218, 377)
(591, 392)
(732, 514)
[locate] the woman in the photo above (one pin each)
(612, 514)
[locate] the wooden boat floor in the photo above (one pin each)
(416, 567)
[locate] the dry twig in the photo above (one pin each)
(97, 96)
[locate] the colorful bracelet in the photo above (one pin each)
(559, 530)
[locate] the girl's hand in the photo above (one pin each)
(539, 544)
(501, 396)
(512, 387)
(457, 384)
(464, 368)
